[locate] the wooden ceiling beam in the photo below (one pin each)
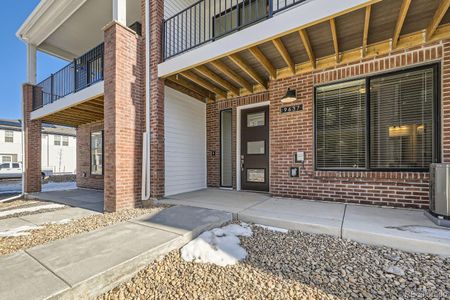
(217, 79)
(232, 75)
(307, 44)
(437, 18)
(189, 85)
(264, 61)
(366, 30)
(203, 83)
(247, 69)
(335, 39)
(284, 54)
(400, 21)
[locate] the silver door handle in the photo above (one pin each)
(242, 163)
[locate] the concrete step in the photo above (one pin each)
(89, 264)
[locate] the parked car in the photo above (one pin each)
(14, 170)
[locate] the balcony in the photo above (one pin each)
(81, 73)
(208, 20)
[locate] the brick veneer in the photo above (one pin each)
(32, 140)
(124, 111)
(294, 132)
(84, 177)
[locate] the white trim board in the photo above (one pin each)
(70, 100)
(238, 139)
(282, 23)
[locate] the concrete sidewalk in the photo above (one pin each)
(88, 264)
(405, 229)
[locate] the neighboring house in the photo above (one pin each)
(58, 148)
(324, 100)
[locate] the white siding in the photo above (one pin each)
(185, 143)
(58, 158)
(11, 149)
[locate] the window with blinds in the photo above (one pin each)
(341, 126)
(401, 129)
(401, 114)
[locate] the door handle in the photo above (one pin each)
(242, 163)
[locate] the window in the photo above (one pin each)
(65, 141)
(9, 136)
(226, 145)
(392, 126)
(57, 140)
(97, 153)
(6, 158)
(341, 125)
(256, 119)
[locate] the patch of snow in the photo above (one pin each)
(19, 231)
(219, 246)
(271, 228)
(63, 221)
(29, 209)
(440, 233)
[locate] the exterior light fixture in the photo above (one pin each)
(291, 96)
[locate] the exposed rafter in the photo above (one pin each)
(400, 21)
(217, 79)
(187, 84)
(203, 83)
(262, 59)
(335, 39)
(307, 44)
(366, 30)
(247, 69)
(284, 54)
(232, 75)
(437, 18)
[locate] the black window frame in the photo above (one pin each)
(436, 143)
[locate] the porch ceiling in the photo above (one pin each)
(376, 29)
(83, 113)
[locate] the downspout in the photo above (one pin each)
(146, 162)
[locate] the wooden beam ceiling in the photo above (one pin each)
(217, 79)
(366, 29)
(203, 83)
(400, 21)
(264, 61)
(335, 39)
(284, 54)
(307, 44)
(232, 75)
(189, 85)
(247, 69)
(437, 18)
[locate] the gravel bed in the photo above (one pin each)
(295, 266)
(20, 203)
(52, 232)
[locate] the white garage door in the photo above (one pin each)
(185, 143)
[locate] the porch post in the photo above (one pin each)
(32, 144)
(120, 11)
(31, 64)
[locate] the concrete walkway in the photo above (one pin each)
(405, 229)
(83, 198)
(91, 263)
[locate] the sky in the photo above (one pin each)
(13, 59)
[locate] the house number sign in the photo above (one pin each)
(292, 108)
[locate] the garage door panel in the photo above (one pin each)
(185, 143)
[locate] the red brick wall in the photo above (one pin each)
(84, 177)
(294, 132)
(32, 140)
(124, 117)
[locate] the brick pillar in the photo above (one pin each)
(32, 140)
(124, 117)
(157, 99)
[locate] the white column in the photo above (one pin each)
(120, 11)
(31, 64)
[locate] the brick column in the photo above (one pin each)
(32, 141)
(124, 117)
(157, 99)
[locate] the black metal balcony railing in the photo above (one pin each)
(207, 20)
(81, 73)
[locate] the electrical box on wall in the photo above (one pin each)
(299, 157)
(294, 172)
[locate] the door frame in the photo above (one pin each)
(239, 110)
